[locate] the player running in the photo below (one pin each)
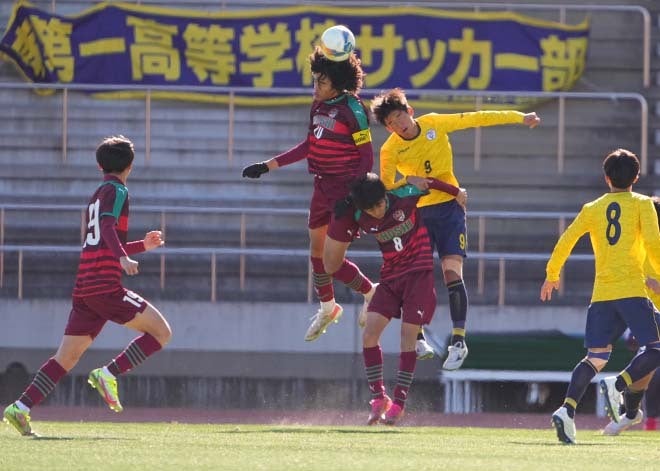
(98, 295)
(623, 230)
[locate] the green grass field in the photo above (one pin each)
(114, 446)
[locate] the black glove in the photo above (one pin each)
(255, 170)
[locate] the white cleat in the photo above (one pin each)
(456, 356)
(321, 321)
(612, 397)
(564, 425)
(615, 428)
(423, 350)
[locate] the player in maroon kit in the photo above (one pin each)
(406, 289)
(98, 295)
(338, 150)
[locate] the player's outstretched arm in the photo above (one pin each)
(531, 120)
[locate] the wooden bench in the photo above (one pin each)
(462, 398)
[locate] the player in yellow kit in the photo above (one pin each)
(649, 386)
(419, 148)
(623, 230)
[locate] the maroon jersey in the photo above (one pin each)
(401, 234)
(99, 270)
(337, 128)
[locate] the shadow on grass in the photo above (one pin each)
(78, 439)
(316, 430)
(554, 444)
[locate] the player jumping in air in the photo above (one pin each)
(98, 295)
(419, 148)
(338, 150)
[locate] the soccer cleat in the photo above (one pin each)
(106, 385)
(423, 350)
(612, 397)
(615, 428)
(20, 419)
(379, 408)
(321, 321)
(456, 356)
(564, 425)
(393, 415)
(362, 317)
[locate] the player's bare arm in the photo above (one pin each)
(546, 289)
(531, 120)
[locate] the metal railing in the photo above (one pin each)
(215, 252)
(232, 93)
(243, 251)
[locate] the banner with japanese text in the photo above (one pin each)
(414, 48)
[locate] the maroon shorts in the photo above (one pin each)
(327, 191)
(410, 297)
(90, 313)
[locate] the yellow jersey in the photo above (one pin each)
(623, 229)
(429, 154)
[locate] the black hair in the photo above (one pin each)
(366, 192)
(387, 102)
(622, 168)
(346, 75)
(115, 154)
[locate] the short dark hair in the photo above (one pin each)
(367, 191)
(622, 168)
(387, 102)
(346, 75)
(115, 154)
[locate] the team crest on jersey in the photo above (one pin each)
(318, 132)
(399, 215)
(430, 134)
(333, 112)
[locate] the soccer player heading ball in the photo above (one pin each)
(338, 151)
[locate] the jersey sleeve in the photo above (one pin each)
(111, 200)
(475, 119)
(409, 191)
(565, 245)
(295, 154)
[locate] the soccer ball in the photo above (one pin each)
(337, 43)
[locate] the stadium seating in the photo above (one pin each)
(190, 164)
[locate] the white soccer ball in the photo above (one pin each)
(337, 43)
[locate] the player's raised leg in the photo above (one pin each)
(156, 334)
